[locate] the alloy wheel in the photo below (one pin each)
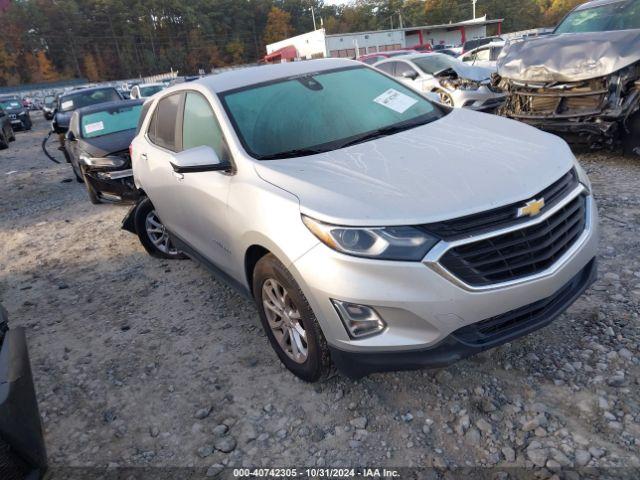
(158, 234)
(446, 99)
(285, 321)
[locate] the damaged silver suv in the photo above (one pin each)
(583, 81)
(367, 230)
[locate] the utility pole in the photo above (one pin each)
(474, 8)
(313, 16)
(401, 24)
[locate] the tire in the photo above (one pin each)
(93, 194)
(4, 141)
(160, 246)
(631, 140)
(269, 274)
(12, 138)
(28, 125)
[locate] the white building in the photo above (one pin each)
(318, 44)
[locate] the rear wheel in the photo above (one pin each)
(153, 234)
(289, 321)
(631, 139)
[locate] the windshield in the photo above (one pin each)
(152, 90)
(433, 63)
(322, 111)
(83, 99)
(614, 16)
(113, 120)
(10, 104)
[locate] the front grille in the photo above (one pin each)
(12, 116)
(519, 253)
(522, 320)
(501, 217)
(555, 100)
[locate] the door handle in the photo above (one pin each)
(179, 176)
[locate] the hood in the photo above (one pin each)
(468, 72)
(107, 144)
(569, 57)
(464, 163)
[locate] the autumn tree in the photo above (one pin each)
(278, 26)
(91, 67)
(558, 9)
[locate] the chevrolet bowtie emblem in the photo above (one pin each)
(531, 208)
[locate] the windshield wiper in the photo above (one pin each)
(298, 152)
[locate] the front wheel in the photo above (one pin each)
(153, 234)
(289, 321)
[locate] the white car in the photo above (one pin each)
(146, 90)
(485, 56)
(456, 83)
(371, 226)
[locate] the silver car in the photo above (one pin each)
(368, 231)
(456, 83)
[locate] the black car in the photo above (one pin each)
(18, 114)
(70, 101)
(98, 148)
(6, 130)
(49, 106)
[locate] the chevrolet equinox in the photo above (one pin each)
(373, 228)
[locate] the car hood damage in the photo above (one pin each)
(466, 72)
(569, 57)
(583, 86)
(422, 175)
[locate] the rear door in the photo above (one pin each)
(154, 153)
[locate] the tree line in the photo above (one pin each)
(49, 40)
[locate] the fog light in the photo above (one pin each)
(359, 320)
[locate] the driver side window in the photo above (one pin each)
(200, 126)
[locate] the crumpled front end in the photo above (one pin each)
(593, 111)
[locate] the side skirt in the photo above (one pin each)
(214, 269)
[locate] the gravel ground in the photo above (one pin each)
(140, 361)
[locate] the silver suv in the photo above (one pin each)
(372, 227)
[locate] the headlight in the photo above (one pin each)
(383, 243)
(102, 161)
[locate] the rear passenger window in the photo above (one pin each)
(163, 130)
(200, 126)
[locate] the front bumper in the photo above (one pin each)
(483, 99)
(472, 339)
(422, 305)
(112, 184)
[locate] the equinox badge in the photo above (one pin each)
(531, 208)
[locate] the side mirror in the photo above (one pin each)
(410, 74)
(198, 159)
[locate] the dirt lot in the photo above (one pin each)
(141, 362)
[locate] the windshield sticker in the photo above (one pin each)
(67, 104)
(396, 101)
(94, 127)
